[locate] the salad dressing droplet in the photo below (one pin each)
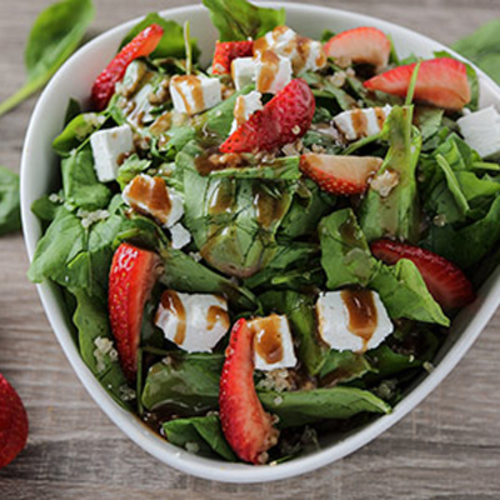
(359, 122)
(193, 82)
(267, 339)
(362, 314)
(216, 315)
(269, 209)
(239, 110)
(270, 66)
(151, 192)
(171, 301)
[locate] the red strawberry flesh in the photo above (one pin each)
(13, 423)
(133, 274)
(445, 281)
(284, 119)
(226, 52)
(141, 46)
(247, 427)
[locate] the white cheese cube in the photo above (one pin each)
(357, 123)
(273, 73)
(192, 94)
(316, 58)
(481, 131)
(108, 148)
(273, 343)
(352, 321)
(151, 196)
(243, 70)
(180, 236)
(245, 107)
(194, 322)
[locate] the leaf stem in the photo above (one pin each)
(18, 97)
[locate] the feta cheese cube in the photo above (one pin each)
(357, 123)
(316, 58)
(192, 94)
(481, 131)
(194, 322)
(352, 321)
(108, 147)
(245, 107)
(273, 343)
(243, 70)
(151, 196)
(273, 72)
(180, 236)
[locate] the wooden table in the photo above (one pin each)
(449, 447)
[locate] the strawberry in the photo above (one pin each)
(247, 427)
(13, 423)
(142, 45)
(285, 118)
(131, 279)
(445, 281)
(341, 175)
(441, 82)
(364, 45)
(225, 52)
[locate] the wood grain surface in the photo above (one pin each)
(449, 447)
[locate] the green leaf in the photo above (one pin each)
(172, 41)
(483, 48)
(131, 167)
(57, 32)
(10, 213)
(405, 295)
(344, 366)
(239, 19)
(307, 407)
(206, 432)
(286, 169)
(345, 254)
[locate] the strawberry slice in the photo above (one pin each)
(341, 175)
(13, 423)
(247, 427)
(441, 82)
(131, 279)
(365, 45)
(142, 45)
(445, 281)
(285, 118)
(226, 52)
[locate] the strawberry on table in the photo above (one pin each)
(247, 427)
(13, 423)
(226, 52)
(285, 118)
(142, 45)
(446, 282)
(340, 175)
(365, 45)
(441, 82)
(133, 274)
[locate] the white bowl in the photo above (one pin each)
(40, 173)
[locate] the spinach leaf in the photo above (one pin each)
(10, 214)
(239, 19)
(172, 42)
(206, 432)
(56, 34)
(429, 120)
(91, 321)
(131, 167)
(187, 382)
(307, 407)
(483, 48)
(81, 187)
(345, 254)
(344, 366)
(404, 294)
(396, 214)
(286, 169)
(45, 208)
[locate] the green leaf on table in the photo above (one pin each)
(204, 432)
(239, 19)
(57, 32)
(10, 213)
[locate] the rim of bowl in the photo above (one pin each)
(129, 423)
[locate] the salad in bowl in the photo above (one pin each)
(270, 249)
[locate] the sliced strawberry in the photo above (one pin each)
(285, 118)
(341, 175)
(142, 45)
(441, 82)
(225, 52)
(365, 45)
(13, 423)
(445, 281)
(131, 279)
(247, 427)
